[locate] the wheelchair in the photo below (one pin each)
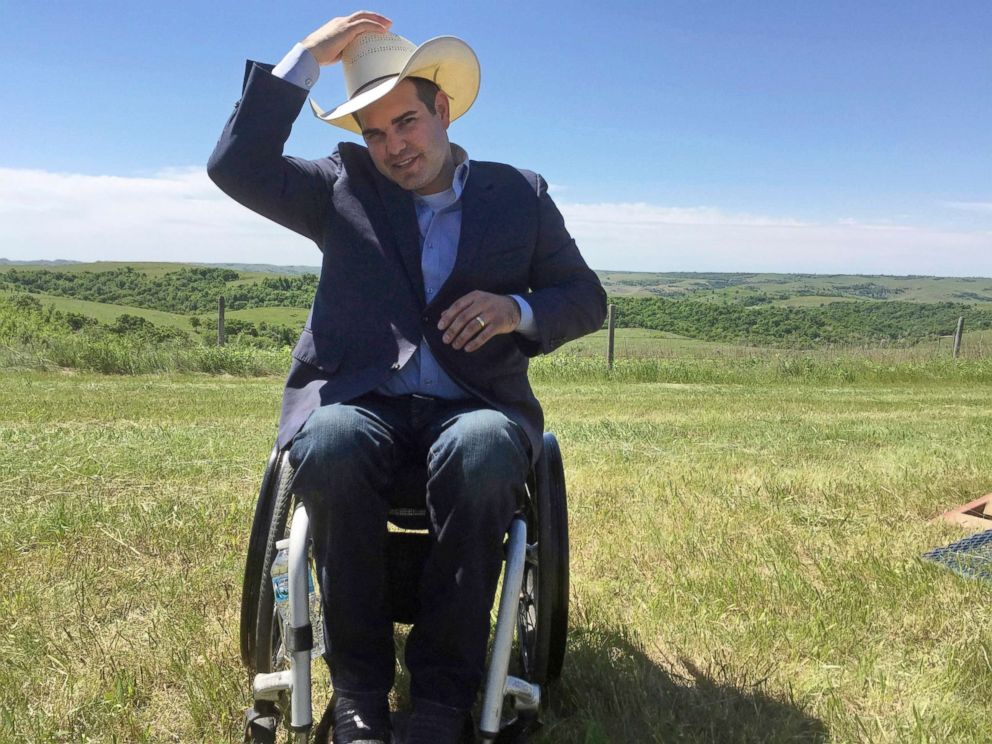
(529, 639)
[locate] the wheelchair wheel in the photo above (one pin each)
(260, 632)
(542, 616)
(257, 540)
(268, 647)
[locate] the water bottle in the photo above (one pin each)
(280, 588)
(316, 614)
(280, 580)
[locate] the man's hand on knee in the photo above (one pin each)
(476, 317)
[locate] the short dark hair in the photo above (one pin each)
(426, 91)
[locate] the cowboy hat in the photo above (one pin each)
(374, 63)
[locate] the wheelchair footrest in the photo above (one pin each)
(526, 696)
(268, 686)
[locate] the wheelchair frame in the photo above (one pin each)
(533, 602)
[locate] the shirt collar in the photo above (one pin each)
(461, 169)
(457, 183)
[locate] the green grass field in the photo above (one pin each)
(640, 342)
(745, 558)
(812, 301)
(294, 317)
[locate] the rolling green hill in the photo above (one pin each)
(723, 309)
(701, 285)
(106, 312)
(158, 268)
(781, 287)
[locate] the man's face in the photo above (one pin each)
(408, 144)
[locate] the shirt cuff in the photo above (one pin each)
(298, 67)
(527, 327)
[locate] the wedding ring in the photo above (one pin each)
(482, 323)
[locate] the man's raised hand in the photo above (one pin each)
(328, 42)
(460, 322)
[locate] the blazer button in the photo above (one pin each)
(426, 318)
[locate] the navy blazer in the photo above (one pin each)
(369, 312)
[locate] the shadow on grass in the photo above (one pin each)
(613, 691)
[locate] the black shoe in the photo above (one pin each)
(355, 721)
(431, 723)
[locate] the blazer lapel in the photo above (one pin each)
(403, 233)
(476, 215)
(402, 218)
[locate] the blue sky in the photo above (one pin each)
(764, 136)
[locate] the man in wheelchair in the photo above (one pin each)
(440, 277)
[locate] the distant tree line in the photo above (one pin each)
(190, 290)
(771, 325)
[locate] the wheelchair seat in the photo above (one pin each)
(408, 543)
(536, 550)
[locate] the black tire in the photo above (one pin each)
(542, 615)
(553, 516)
(257, 540)
(268, 632)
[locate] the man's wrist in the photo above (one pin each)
(298, 67)
(526, 326)
(515, 312)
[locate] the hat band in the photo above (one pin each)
(372, 82)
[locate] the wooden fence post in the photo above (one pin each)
(957, 336)
(611, 326)
(221, 336)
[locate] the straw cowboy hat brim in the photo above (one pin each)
(374, 65)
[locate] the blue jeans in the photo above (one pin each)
(346, 459)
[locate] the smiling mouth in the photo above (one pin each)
(402, 164)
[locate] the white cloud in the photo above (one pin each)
(644, 237)
(174, 215)
(179, 215)
(983, 207)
